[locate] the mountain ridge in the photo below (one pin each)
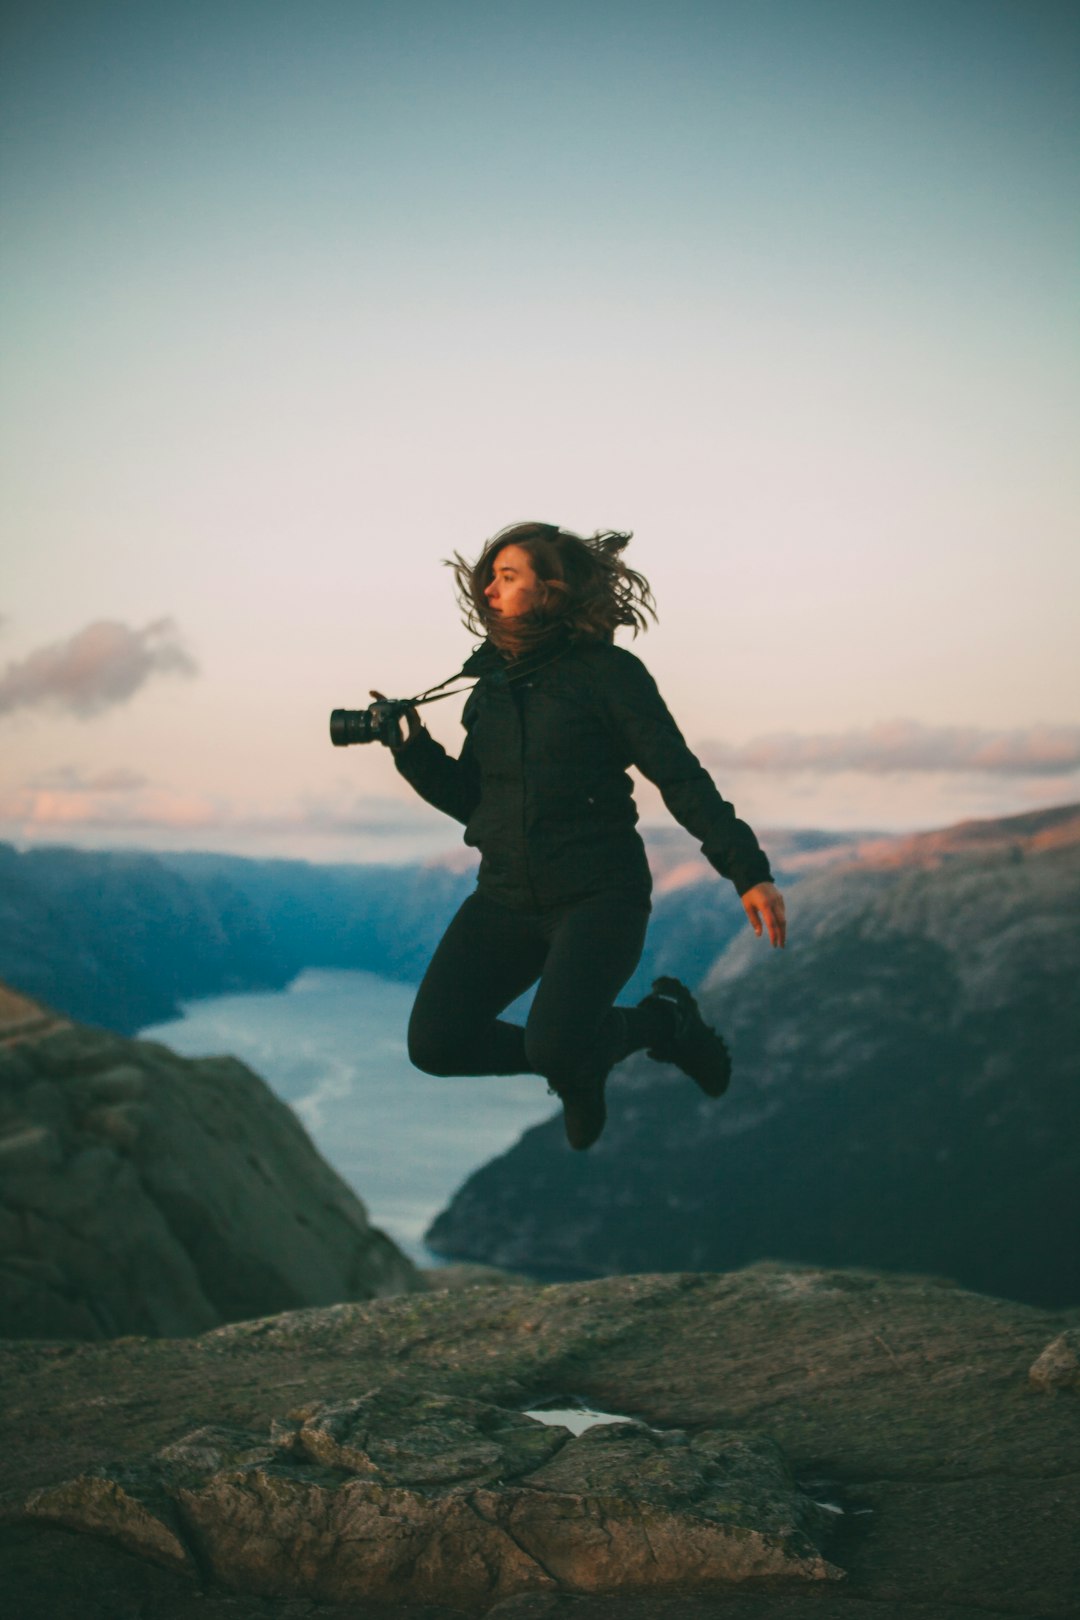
(121, 939)
(905, 1095)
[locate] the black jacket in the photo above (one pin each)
(541, 782)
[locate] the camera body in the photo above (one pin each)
(377, 723)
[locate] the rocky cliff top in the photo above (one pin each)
(833, 1444)
(1055, 828)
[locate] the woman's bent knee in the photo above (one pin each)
(431, 1055)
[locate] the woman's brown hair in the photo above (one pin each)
(588, 590)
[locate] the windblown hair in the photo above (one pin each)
(588, 589)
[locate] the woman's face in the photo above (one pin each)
(514, 588)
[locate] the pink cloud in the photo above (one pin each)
(907, 745)
(34, 809)
(97, 668)
(122, 800)
(72, 779)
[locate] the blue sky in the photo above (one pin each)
(300, 298)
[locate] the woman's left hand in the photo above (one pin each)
(765, 904)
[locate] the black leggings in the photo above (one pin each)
(582, 955)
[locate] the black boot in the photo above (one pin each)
(692, 1045)
(584, 1112)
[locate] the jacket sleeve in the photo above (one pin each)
(449, 784)
(657, 747)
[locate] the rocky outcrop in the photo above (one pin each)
(905, 1093)
(145, 1193)
(1058, 1368)
(789, 1424)
(419, 1497)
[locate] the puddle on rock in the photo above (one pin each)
(827, 1494)
(576, 1415)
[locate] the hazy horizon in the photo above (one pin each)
(672, 852)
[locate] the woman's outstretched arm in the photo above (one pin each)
(657, 747)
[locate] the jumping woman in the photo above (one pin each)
(557, 715)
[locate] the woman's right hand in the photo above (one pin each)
(415, 724)
(765, 904)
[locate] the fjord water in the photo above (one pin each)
(332, 1046)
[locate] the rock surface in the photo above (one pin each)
(146, 1193)
(905, 1093)
(1059, 1365)
(903, 1406)
(413, 1496)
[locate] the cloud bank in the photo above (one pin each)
(905, 745)
(116, 807)
(96, 669)
(73, 779)
(69, 796)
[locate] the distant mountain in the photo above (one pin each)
(121, 939)
(906, 1092)
(696, 915)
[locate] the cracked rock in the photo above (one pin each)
(412, 1496)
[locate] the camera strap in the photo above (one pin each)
(434, 693)
(479, 666)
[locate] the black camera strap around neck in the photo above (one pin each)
(434, 693)
(513, 673)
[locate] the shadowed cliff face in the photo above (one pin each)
(905, 1095)
(145, 1193)
(806, 1443)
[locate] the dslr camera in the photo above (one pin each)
(377, 723)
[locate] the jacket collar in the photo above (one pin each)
(488, 660)
(483, 660)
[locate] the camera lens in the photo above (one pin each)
(350, 726)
